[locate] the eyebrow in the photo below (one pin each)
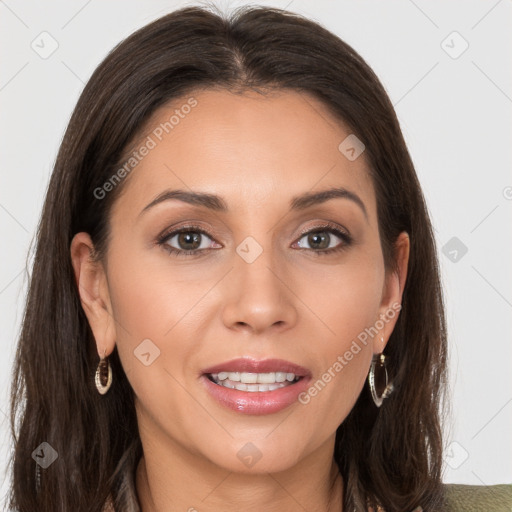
(216, 203)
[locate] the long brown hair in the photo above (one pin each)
(390, 456)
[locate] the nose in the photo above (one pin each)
(259, 296)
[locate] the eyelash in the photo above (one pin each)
(327, 227)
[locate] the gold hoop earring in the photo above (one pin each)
(103, 376)
(377, 368)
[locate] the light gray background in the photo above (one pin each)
(455, 114)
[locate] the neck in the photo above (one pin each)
(272, 492)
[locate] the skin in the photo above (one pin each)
(257, 152)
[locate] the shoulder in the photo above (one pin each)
(478, 498)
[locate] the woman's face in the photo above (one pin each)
(254, 285)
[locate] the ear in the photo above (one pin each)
(392, 292)
(92, 286)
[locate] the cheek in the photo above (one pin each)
(346, 298)
(151, 310)
(334, 390)
(153, 314)
(150, 293)
(343, 352)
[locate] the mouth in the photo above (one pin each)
(254, 387)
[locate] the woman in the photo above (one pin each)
(235, 301)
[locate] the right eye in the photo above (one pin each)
(189, 241)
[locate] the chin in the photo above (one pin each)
(258, 457)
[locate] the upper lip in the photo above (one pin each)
(247, 364)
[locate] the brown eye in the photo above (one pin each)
(185, 241)
(189, 240)
(323, 241)
(318, 240)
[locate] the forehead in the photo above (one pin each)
(245, 147)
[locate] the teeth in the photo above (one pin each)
(254, 382)
(255, 378)
(255, 387)
(249, 378)
(262, 378)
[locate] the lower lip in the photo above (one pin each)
(257, 402)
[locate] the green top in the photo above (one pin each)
(479, 498)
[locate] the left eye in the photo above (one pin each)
(322, 239)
